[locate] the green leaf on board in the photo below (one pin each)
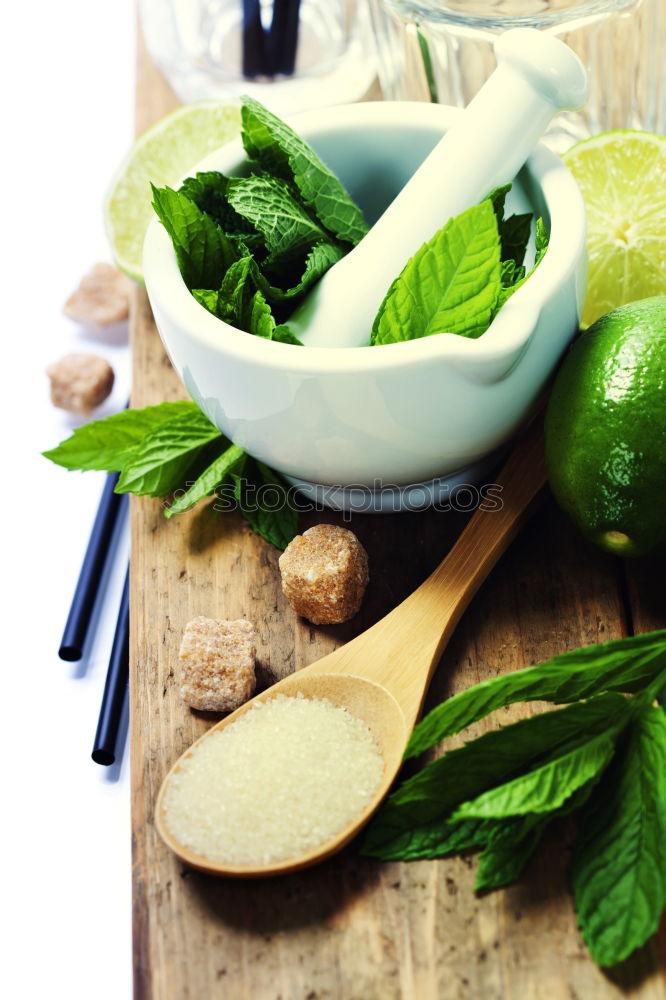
(620, 665)
(618, 871)
(263, 500)
(219, 471)
(108, 444)
(544, 788)
(418, 806)
(160, 462)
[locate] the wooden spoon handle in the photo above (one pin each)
(404, 647)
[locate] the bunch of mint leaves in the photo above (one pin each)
(172, 448)
(602, 756)
(249, 248)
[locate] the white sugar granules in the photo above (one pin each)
(282, 779)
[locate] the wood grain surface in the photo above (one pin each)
(353, 928)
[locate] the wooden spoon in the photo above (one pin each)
(382, 675)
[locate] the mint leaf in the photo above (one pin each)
(235, 301)
(544, 788)
(498, 198)
(231, 460)
(235, 293)
(283, 335)
(108, 444)
(542, 238)
(618, 872)
(268, 204)
(509, 848)
(160, 462)
(263, 501)
(317, 262)
(208, 191)
(450, 285)
(260, 320)
(282, 153)
(421, 802)
(620, 665)
(514, 236)
(203, 251)
(511, 843)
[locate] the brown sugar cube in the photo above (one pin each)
(217, 664)
(101, 299)
(80, 382)
(324, 574)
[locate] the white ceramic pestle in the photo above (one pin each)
(537, 75)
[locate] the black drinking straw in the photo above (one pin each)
(115, 687)
(83, 602)
(254, 42)
(283, 36)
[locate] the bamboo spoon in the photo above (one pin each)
(382, 675)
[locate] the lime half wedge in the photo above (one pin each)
(622, 176)
(162, 155)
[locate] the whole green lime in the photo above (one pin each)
(606, 430)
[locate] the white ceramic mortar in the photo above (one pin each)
(391, 415)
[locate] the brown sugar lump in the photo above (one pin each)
(101, 299)
(80, 382)
(324, 574)
(217, 664)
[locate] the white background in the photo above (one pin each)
(67, 114)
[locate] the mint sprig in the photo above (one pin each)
(173, 448)
(603, 756)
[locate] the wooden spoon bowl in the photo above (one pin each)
(382, 675)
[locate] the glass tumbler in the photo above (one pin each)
(199, 46)
(442, 51)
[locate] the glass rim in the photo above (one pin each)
(440, 13)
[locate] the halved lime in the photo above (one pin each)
(622, 176)
(162, 155)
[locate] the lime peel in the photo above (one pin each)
(622, 177)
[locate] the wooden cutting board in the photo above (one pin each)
(352, 928)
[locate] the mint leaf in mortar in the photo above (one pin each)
(209, 192)
(450, 285)
(282, 153)
(319, 259)
(203, 251)
(267, 203)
